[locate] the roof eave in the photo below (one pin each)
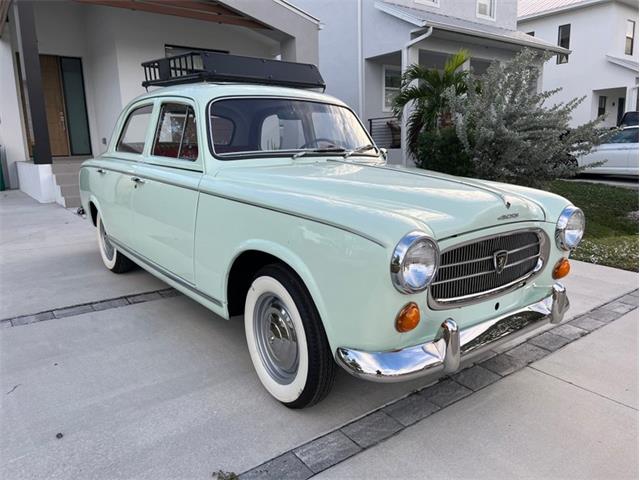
(562, 9)
(465, 31)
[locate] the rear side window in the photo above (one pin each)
(135, 130)
(176, 135)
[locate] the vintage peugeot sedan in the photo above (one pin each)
(254, 195)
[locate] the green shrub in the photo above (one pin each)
(442, 151)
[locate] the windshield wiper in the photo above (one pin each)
(302, 153)
(361, 149)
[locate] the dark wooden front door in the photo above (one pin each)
(54, 104)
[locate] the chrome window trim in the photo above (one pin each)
(270, 153)
(471, 299)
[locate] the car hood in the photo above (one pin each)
(365, 196)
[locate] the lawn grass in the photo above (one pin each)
(611, 235)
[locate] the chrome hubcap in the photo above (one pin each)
(276, 338)
(108, 249)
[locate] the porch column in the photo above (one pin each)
(410, 56)
(33, 76)
(632, 99)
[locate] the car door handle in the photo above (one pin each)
(102, 171)
(137, 180)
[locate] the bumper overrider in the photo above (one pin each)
(444, 354)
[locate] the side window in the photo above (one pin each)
(135, 130)
(176, 135)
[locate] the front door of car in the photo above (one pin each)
(112, 183)
(165, 196)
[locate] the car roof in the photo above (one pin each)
(206, 91)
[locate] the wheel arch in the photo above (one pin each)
(94, 208)
(254, 255)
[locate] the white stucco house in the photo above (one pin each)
(366, 44)
(603, 64)
(68, 67)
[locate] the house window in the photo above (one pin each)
(391, 83)
(564, 34)
(602, 105)
(486, 9)
(533, 34)
(430, 3)
(628, 46)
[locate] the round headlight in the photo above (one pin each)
(570, 228)
(414, 263)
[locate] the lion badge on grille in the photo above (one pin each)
(500, 260)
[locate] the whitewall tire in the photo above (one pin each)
(286, 339)
(111, 257)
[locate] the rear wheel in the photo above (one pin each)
(286, 339)
(111, 257)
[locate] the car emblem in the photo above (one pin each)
(508, 216)
(500, 260)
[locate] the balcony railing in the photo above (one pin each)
(385, 131)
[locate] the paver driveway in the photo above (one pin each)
(165, 389)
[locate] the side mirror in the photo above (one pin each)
(383, 152)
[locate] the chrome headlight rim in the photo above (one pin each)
(399, 255)
(561, 227)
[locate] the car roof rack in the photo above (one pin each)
(201, 66)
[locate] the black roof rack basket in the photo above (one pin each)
(221, 67)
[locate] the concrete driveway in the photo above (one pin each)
(114, 376)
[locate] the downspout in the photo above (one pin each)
(360, 63)
(405, 111)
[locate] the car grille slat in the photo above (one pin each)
(468, 271)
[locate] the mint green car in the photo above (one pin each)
(274, 204)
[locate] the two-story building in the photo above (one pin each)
(603, 64)
(67, 68)
(366, 44)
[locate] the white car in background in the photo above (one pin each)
(619, 156)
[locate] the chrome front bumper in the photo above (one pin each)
(452, 344)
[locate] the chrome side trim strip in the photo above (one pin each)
(296, 214)
(154, 266)
(154, 179)
(452, 345)
(255, 204)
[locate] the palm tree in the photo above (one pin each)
(424, 88)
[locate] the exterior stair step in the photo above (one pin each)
(70, 190)
(66, 179)
(72, 201)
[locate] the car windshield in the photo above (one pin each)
(628, 135)
(629, 119)
(273, 126)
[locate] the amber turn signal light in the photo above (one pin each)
(561, 269)
(408, 318)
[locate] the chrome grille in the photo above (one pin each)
(469, 270)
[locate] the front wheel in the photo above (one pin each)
(286, 339)
(111, 257)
